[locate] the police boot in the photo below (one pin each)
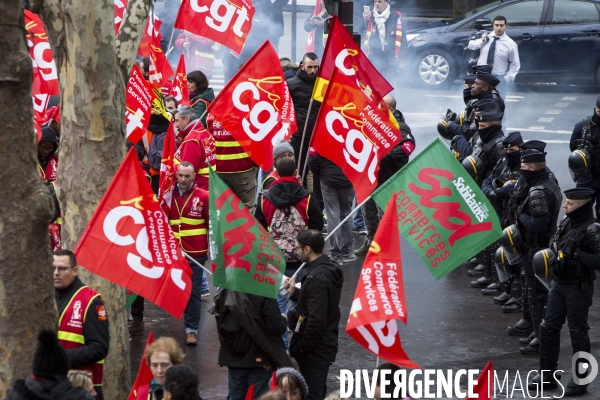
(494, 288)
(486, 279)
(515, 303)
(580, 342)
(477, 271)
(473, 262)
(528, 339)
(137, 327)
(524, 327)
(549, 349)
(537, 305)
(506, 292)
(550, 382)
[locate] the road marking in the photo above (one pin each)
(557, 141)
(562, 105)
(545, 119)
(570, 98)
(553, 112)
(540, 130)
(443, 95)
(515, 97)
(511, 101)
(536, 128)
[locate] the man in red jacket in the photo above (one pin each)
(188, 217)
(198, 147)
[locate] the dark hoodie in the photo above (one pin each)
(158, 126)
(318, 301)
(48, 135)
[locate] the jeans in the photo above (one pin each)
(338, 204)
(137, 307)
(282, 302)
(314, 369)
(372, 214)
(358, 223)
(243, 184)
(241, 378)
(194, 306)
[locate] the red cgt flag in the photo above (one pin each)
(379, 299)
(341, 52)
(256, 106)
(225, 21)
(129, 242)
(152, 35)
(180, 88)
(144, 376)
(484, 387)
(167, 168)
(354, 133)
(160, 69)
(138, 104)
(120, 6)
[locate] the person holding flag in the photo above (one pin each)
(188, 217)
(199, 52)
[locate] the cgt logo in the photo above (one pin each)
(221, 16)
(584, 368)
(340, 63)
(134, 261)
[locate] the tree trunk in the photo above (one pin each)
(26, 289)
(460, 7)
(92, 76)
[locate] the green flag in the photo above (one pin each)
(442, 212)
(243, 255)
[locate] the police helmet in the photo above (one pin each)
(442, 128)
(579, 165)
(543, 263)
(474, 167)
(511, 241)
(502, 266)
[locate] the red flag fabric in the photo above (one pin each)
(180, 88)
(167, 169)
(225, 21)
(274, 380)
(379, 298)
(484, 387)
(120, 6)
(256, 108)
(160, 70)
(151, 35)
(144, 375)
(138, 103)
(310, 41)
(343, 53)
(129, 242)
(354, 133)
(250, 393)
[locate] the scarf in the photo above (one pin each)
(380, 20)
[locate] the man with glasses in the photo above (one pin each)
(83, 323)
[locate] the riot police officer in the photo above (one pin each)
(497, 187)
(572, 257)
(539, 198)
(584, 161)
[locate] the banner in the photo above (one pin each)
(167, 169)
(243, 255)
(160, 70)
(180, 87)
(353, 132)
(256, 108)
(379, 298)
(342, 53)
(144, 376)
(442, 212)
(129, 242)
(138, 104)
(120, 6)
(151, 36)
(225, 21)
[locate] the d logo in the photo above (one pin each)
(588, 367)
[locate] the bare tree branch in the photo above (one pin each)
(130, 34)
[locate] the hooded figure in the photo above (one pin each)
(47, 161)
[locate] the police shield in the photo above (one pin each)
(511, 242)
(502, 265)
(543, 263)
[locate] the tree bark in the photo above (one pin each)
(459, 7)
(26, 290)
(92, 75)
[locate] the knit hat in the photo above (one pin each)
(282, 147)
(50, 358)
(297, 374)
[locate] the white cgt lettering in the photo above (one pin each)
(220, 22)
(42, 64)
(255, 129)
(339, 62)
(386, 340)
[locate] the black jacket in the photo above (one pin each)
(397, 158)
(285, 194)
(328, 172)
(319, 303)
(47, 389)
(255, 356)
(94, 330)
(301, 89)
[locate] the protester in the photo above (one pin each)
(315, 24)
(83, 318)
(273, 395)
(200, 94)
(314, 343)
(82, 379)
(161, 355)
(280, 150)
(171, 104)
(159, 124)
(181, 384)
(198, 52)
(47, 161)
(288, 68)
(188, 217)
(49, 378)
(292, 384)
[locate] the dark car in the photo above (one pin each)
(557, 39)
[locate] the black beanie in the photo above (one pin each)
(50, 358)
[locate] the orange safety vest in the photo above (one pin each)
(70, 328)
(372, 29)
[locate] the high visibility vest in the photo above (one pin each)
(372, 30)
(272, 177)
(205, 150)
(188, 222)
(231, 157)
(70, 328)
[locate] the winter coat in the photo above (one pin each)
(319, 302)
(199, 102)
(47, 389)
(301, 89)
(328, 172)
(398, 156)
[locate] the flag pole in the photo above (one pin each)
(196, 262)
(304, 134)
(169, 48)
(199, 119)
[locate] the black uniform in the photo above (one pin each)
(571, 298)
(464, 124)
(497, 186)
(585, 135)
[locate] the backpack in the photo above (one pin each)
(285, 225)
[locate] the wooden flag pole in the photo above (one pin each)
(304, 134)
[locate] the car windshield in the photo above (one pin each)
(472, 12)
